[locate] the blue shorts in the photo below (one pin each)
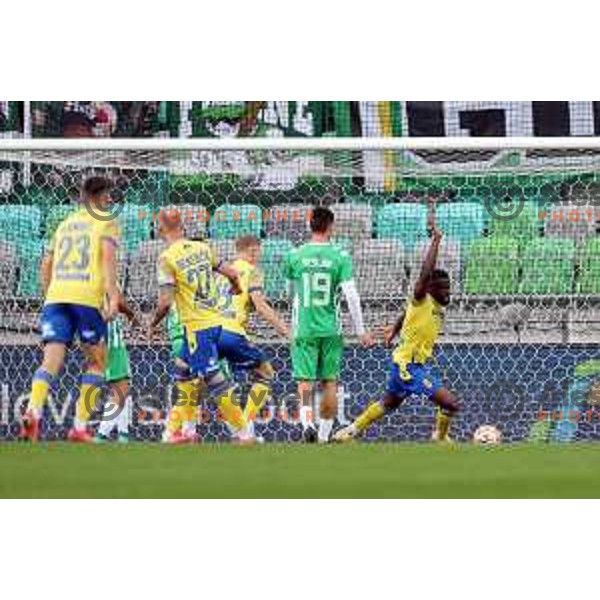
(239, 352)
(60, 323)
(200, 351)
(423, 380)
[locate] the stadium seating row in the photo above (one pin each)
(464, 222)
(383, 268)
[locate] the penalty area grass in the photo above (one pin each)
(380, 470)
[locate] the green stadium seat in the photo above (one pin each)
(548, 267)
(461, 221)
(589, 275)
(135, 222)
(272, 262)
(20, 223)
(56, 215)
(403, 221)
(29, 255)
(230, 221)
(492, 266)
(524, 227)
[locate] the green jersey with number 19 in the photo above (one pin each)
(317, 271)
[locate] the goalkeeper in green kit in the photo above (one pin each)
(320, 272)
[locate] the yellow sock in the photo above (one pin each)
(374, 412)
(257, 398)
(40, 386)
(442, 424)
(89, 394)
(231, 411)
(186, 406)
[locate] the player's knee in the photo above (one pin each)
(392, 401)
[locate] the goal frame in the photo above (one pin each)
(306, 144)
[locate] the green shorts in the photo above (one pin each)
(317, 358)
(117, 365)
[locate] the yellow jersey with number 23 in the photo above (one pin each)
(77, 276)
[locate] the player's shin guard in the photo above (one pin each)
(372, 413)
(40, 386)
(228, 403)
(89, 396)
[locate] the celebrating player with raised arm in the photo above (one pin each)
(319, 271)
(77, 273)
(186, 276)
(412, 370)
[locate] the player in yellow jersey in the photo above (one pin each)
(234, 343)
(78, 273)
(186, 276)
(412, 368)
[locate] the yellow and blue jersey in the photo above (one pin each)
(77, 275)
(412, 371)
(420, 331)
(236, 309)
(189, 267)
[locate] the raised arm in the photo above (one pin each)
(428, 265)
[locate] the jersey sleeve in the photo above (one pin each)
(165, 272)
(255, 281)
(346, 271)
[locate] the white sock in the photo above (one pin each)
(80, 425)
(106, 426)
(325, 427)
(123, 419)
(307, 417)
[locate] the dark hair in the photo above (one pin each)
(246, 241)
(94, 186)
(76, 119)
(321, 219)
(439, 275)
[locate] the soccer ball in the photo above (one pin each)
(487, 434)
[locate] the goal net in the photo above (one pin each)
(521, 243)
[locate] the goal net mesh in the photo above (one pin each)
(520, 345)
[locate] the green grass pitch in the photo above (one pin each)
(60, 470)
